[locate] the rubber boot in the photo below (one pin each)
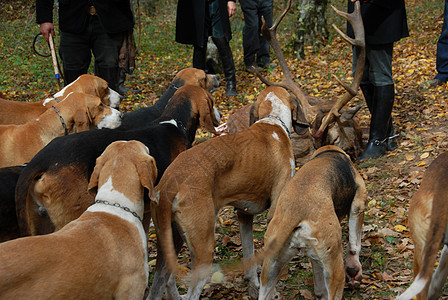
(383, 101)
(72, 75)
(228, 65)
(110, 74)
(368, 91)
(199, 56)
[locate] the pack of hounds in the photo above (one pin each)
(82, 183)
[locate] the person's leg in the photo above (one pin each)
(106, 48)
(380, 75)
(251, 43)
(265, 10)
(75, 53)
(368, 90)
(223, 48)
(442, 49)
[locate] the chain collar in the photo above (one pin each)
(115, 204)
(62, 119)
(174, 86)
(281, 121)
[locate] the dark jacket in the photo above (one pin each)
(115, 15)
(193, 25)
(384, 21)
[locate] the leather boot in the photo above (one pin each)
(72, 75)
(110, 74)
(392, 143)
(228, 65)
(122, 89)
(368, 91)
(199, 56)
(383, 101)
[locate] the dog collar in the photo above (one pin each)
(281, 122)
(127, 209)
(172, 85)
(62, 119)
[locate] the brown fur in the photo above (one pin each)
(428, 213)
(246, 170)
(308, 213)
(20, 143)
(18, 112)
(101, 255)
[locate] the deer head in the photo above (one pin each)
(317, 113)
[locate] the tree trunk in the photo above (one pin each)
(311, 25)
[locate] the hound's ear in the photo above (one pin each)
(147, 171)
(206, 114)
(253, 114)
(92, 188)
(81, 121)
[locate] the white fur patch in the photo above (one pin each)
(302, 236)
(293, 166)
(217, 114)
(172, 122)
(114, 98)
(61, 92)
(416, 287)
(66, 97)
(280, 110)
(108, 193)
(111, 121)
(46, 101)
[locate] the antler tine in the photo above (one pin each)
(356, 20)
(280, 18)
(288, 82)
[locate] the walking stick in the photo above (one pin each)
(55, 61)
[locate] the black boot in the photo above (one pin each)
(72, 75)
(110, 74)
(199, 55)
(122, 89)
(368, 91)
(228, 65)
(383, 101)
(392, 143)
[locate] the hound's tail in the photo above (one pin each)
(437, 226)
(165, 234)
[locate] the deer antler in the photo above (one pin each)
(351, 91)
(287, 83)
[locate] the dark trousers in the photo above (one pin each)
(256, 48)
(378, 66)
(442, 49)
(76, 51)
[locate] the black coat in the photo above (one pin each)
(115, 15)
(384, 21)
(193, 22)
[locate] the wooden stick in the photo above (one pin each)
(55, 61)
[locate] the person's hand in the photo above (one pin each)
(353, 0)
(231, 8)
(47, 28)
